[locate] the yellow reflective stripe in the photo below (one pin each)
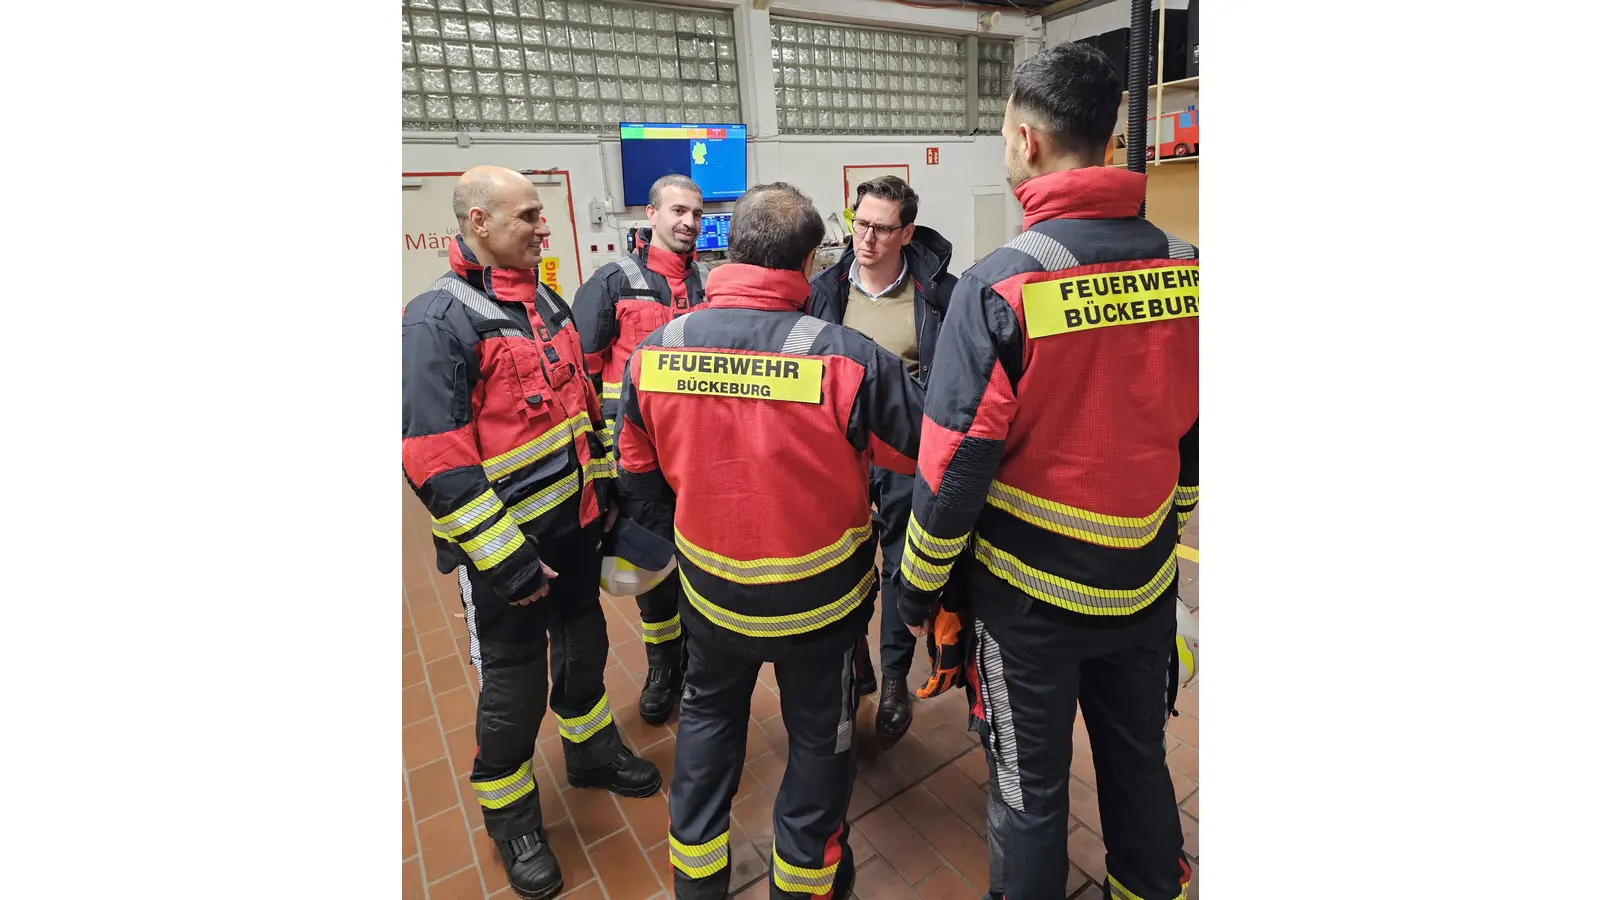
(774, 569)
(608, 434)
(581, 728)
(930, 545)
(1082, 524)
(604, 467)
(500, 466)
(1121, 892)
(661, 632)
(798, 879)
(503, 792)
(541, 502)
(1188, 493)
(699, 860)
(610, 390)
(1067, 594)
(923, 575)
(497, 542)
(469, 516)
(779, 626)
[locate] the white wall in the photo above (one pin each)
(814, 166)
(812, 163)
(1098, 20)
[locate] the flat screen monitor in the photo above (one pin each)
(713, 232)
(712, 155)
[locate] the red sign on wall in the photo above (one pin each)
(933, 156)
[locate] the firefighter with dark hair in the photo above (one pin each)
(892, 284)
(760, 423)
(621, 303)
(498, 441)
(1059, 463)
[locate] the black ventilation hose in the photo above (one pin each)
(1138, 86)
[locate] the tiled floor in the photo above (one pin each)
(917, 815)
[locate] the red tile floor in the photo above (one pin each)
(917, 813)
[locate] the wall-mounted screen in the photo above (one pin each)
(712, 155)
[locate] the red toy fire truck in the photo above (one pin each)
(1180, 134)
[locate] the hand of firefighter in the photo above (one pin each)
(921, 630)
(544, 589)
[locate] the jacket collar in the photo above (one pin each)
(1098, 192)
(505, 285)
(740, 286)
(671, 266)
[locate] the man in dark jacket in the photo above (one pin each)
(893, 285)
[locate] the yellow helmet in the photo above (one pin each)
(634, 559)
(1188, 645)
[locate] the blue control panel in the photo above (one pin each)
(713, 232)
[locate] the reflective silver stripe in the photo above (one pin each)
(474, 300)
(502, 792)
(799, 879)
(922, 574)
(467, 517)
(580, 728)
(500, 466)
(474, 649)
(541, 502)
(704, 272)
(610, 390)
(1188, 494)
(630, 268)
(775, 570)
(803, 335)
(1110, 531)
(779, 626)
(493, 545)
(847, 726)
(699, 860)
(553, 306)
(1049, 253)
(672, 336)
(997, 709)
(1058, 591)
(1178, 248)
(660, 632)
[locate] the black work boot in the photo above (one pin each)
(531, 867)
(662, 688)
(894, 708)
(866, 676)
(626, 776)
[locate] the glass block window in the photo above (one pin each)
(995, 63)
(563, 65)
(836, 79)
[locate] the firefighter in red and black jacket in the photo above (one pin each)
(1060, 460)
(620, 304)
(498, 425)
(761, 423)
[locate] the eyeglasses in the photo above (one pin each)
(881, 231)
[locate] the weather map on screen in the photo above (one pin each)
(712, 155)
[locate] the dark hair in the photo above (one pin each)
(774, 226)
(1074, 91)
(889, 187)
(671, 181)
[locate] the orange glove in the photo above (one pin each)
(946, 653)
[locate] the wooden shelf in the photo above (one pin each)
(1189, 84)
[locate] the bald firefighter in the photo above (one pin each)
(498, 441)
(761, 424)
